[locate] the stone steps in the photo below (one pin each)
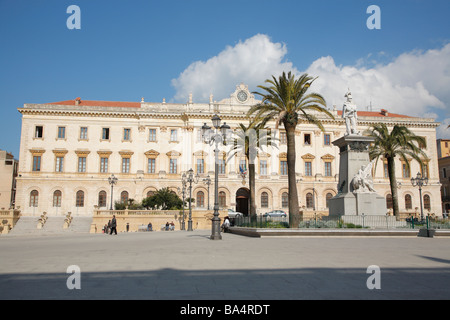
(53, 225)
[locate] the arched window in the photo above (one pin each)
(34, 198)
(80, 198)
(309, 200)
(102, 199)
(328, 197)
(389, 203)
(222, 199)
(264, 200)
(408, 202)
(57, 198)
(200, 199)
(284, 200)
(150, 193)
(426, 202)
(124, 197)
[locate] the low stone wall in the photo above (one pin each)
(201, 219)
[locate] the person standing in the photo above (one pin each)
(113, 225)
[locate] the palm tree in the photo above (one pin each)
(248, 140)
(399, 142)
(287, 101)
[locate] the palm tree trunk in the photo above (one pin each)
(294, 215)
(251, 179)
(393, 183)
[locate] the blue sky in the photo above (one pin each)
(126, 50)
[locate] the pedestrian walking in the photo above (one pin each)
(113, 225)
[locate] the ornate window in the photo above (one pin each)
(284, 200)
(57, 198)
(389, 203)
(222, 199)
(427, 202)
(124, 197)
(309, 200)
(200, 199)
(408, 202)
(79, 198)
(34, 198)
(102, 199)
(264, 200)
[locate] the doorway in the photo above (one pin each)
(242, 201)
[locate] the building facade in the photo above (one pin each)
(69, 149)
(8, 174)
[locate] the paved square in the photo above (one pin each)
(187, 265)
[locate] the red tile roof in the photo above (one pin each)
(94, 103)
(121, 104)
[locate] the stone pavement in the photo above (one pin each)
(183, 265)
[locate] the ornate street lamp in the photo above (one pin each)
(418, 181)
(112, 181)
(183, 192)
(207, 181)
(219, 135)
(190, 178)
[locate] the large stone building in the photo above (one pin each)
(70, 148)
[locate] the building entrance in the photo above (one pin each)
(242, 201)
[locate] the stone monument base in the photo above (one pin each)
(357, 204)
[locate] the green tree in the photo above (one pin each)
(163, 199)
(287, 100)
(248, 140)
(399, 142)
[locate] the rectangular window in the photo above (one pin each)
(425, 170)
(200, 166)
(283, 137)
(81, 164)
(151, 165)
(173, 135)
(103, 165)
(83, 133)
(173, 166)
(326, 139)
(152, 135)
(386, 172)
(126, 134)
(39, 132)
(105, 134)
(59, 167)
(125, 165)
(406, 173)
(61, 132)
(308, 169)
(37, 163)
(222, 166)
(263, 167)
(307, 139)
(283, 168)
(327, 169)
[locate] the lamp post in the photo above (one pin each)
(190, 178)
(112, 181)
(207, 181)
(183, 192)
(420, 181)
(219, 134)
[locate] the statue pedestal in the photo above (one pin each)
(354, 154)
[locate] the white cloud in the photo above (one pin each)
(443, 131)
(250, 62)
(412, 84)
